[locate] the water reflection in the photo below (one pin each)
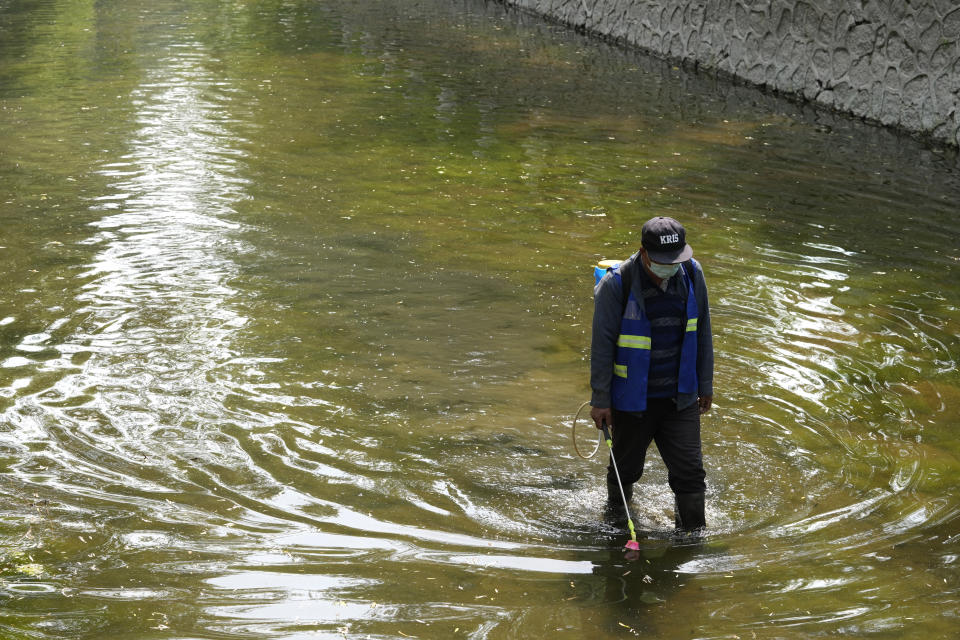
(129, 401)
(153, 316)
(332, 320)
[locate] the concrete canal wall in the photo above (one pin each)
(896, 62)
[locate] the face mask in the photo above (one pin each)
(663, 271)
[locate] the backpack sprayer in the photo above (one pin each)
(599, 271)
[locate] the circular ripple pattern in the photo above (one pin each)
(296, 316)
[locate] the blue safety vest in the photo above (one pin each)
(628, 389)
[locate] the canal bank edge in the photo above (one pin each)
(889, 61)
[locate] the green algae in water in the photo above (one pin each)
(297, 312)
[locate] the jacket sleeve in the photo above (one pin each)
(607, 306)
(704, 338)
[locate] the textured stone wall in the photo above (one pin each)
(896, 62)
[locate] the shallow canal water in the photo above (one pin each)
(294, 318)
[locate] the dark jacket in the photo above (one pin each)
(607, 312)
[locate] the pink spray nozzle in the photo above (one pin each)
(633, 545)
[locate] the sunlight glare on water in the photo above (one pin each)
(296, 316)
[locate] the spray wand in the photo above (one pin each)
(632, 545)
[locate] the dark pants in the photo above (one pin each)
(677, 434)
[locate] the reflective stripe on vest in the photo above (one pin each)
(633, 342)
(620, 370)
(692, 324)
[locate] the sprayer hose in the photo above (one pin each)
(575, 447)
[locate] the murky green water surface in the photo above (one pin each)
(294, 318)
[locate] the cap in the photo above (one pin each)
(665, 240)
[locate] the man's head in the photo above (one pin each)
(664, 240)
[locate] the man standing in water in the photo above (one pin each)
(651, 365)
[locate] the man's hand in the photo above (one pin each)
(599, 415)
(705, 403)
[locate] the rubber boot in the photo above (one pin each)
(613, 511)
(613, 492)
(689, 513)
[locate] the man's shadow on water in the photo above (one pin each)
(630, 587)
